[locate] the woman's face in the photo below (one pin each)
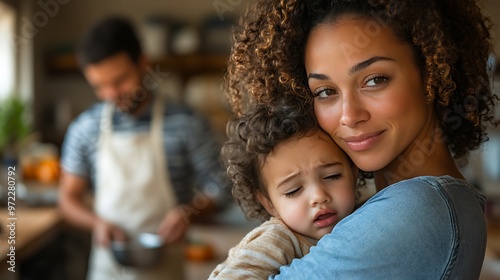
(368, 90)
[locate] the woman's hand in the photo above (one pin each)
(105, 232)
(174, 226)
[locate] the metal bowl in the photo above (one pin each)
(143, 251)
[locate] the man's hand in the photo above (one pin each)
(174, 226)
(105, 232)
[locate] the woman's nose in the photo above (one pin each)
(353, 111)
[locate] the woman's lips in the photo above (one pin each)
(362, 142)
(324, 220)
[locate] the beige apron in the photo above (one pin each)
(133, 191)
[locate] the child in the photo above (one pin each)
(287, 171)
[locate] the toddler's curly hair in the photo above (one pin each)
(255, 135)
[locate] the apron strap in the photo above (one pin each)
(157, 119)
(106, 123)
(157, 141)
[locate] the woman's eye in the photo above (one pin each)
(292, 192)
(324, 92)
(375, 81)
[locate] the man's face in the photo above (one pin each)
(118, 79)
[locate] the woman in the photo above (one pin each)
(402, 87)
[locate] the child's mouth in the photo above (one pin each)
(326, 219)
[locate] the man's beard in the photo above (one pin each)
(130, 104)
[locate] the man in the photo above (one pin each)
(151, 164)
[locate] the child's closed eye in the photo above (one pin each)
(293, 192)
(333, 177)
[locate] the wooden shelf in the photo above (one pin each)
(184, 65)
(194, 64)
(64, 63)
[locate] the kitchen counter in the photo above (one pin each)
(222, 238)
(34, 228)
(225, 237)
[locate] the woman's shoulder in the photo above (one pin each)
(438, 182)
(435, 223)
(426, 189)
(431, 217)
(418, 206)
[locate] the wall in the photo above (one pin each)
(75, 16)
(491, 8)
(67, 19)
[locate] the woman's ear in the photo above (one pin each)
(267, 204)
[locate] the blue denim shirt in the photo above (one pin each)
(422, 228)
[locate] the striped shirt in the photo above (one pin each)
(262, 252)
(191, 146)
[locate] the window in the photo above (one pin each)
(7, 49)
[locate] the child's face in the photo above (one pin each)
(310, 183)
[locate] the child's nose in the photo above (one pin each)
(319, 196)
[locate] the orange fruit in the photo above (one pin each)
(199, 252)
(48, 171)
(29, 171)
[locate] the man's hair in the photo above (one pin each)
(106, 38)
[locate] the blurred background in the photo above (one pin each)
(189, 40)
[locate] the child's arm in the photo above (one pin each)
(262, 252)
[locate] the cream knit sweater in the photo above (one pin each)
(262, 252)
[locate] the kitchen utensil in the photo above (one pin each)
(143, 251)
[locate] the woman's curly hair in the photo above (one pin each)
(255, 135)
(451, 39)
